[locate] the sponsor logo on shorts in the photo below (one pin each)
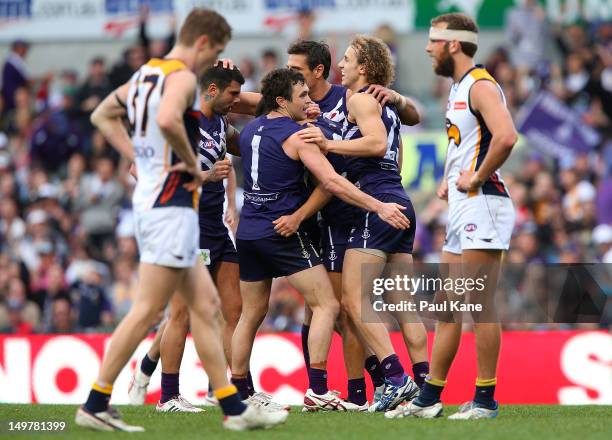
(305, 254)
(366, 234)
(205, 253)
(332, 255)
(470, 227)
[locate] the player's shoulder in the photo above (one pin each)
(479, 73)
(168, 65)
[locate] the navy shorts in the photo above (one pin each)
(273, 257)
(370, 232)
(214, 250)
(334, 239)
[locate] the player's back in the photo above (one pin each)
(377, 175)
(156, 186)
(273, 182)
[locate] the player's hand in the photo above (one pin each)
(468, 181)
(220, 170)
(227, 63)
(313, 111)
(133, 172)
(287, 225)
(231, 218)
(384, 95)
(392, 214)
(314, 135)
(194, 170)
(442, 192)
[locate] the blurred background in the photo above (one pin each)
(68, 256)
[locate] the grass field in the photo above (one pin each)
(514, 422)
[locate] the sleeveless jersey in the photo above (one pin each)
(273, 182)
(377, 175)
(468, 137)
(212, 147)
(156, 186)
(333, 104)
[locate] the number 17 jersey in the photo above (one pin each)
(157, 187)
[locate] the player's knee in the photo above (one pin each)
(231, 314)
(350, 307)
(179, 316)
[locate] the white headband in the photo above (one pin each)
(450, 35)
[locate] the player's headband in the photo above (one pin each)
(453, 35)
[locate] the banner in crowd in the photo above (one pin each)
(43, 20)
(536, 367)
(554, 128)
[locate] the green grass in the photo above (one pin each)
(514, 422)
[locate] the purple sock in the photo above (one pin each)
(357, 391)
(392, 369)
(251, 385)
(169, 386)
(242, 383)
(373, 368)
(317, 380)
(420, 370)
(148, 365)
(305, 331)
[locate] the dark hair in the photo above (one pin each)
(459, 22)
(316, 53)
(204, 22)
(277, 83)
(220, 76)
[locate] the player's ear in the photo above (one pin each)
(281, 102)
(319, 71)
(202, 42)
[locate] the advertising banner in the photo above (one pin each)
(536, 367)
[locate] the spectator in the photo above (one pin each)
(527, 32)
(24, 315)
(14, 73)
(124, 288)
(62, 319)
(94, 310)
(268, 61)
(93, 90)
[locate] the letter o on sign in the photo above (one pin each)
(54, 358)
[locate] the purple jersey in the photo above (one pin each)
(212, 147)
(333, 104)
(377, 175)
(273, 182)
(336, 211)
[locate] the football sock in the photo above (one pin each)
(485, 392)
(420, 370)
(169, 386)
(229, 401)
(317, 379)
(98, 398)
(250, 384)
(392, 369)
(148, 365)
(305, 331)
(357, 391)
(242, 384)
(373, 368)
(431, 391)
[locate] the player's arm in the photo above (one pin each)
(373, 143)
(247, 104)
(232, 136)
(319, 166)
(179, 91)
(486, 100)
(406, 107)
(231, 213)
(107, 118)
(287, 225)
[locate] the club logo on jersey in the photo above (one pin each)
(453, 133)
(332, 255)
(470, 227)
(208, 145)
(461, 105)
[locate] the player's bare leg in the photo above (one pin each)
(255, 297)
(227, 279)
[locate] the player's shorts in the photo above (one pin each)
(334, 239)
(214, 250)
(273, 257)
(370, 232)
(479, 222)
(167, 236)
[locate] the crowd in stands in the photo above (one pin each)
(68, 256)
